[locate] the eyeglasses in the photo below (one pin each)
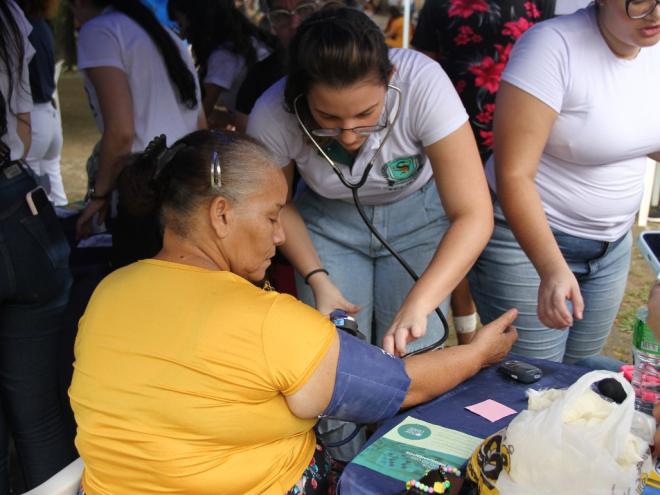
(638, 9)
(281, 17)
(362, 130)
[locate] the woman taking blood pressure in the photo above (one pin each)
(390, 122)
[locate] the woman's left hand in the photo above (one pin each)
(408, 325)
(95, 210)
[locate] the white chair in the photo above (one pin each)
(64, 482)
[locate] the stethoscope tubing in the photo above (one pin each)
(355, 187)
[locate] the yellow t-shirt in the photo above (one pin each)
(179, 383)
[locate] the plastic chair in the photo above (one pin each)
(64, 482)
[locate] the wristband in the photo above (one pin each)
(318, 270)
(465, 324)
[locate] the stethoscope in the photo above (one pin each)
(355, 186)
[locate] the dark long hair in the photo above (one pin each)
(218, 23)
(337, 47)
(179, 73)
(12, 52)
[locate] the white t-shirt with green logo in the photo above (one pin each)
(430, 111)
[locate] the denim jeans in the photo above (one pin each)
(503, 277)
(366, 273)
(34, 288)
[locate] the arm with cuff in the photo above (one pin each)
(358, 382)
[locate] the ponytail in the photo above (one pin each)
(179, 73)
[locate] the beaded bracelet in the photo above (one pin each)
(440, 485)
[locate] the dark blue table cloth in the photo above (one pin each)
(449, 411)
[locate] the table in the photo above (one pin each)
(448, 410)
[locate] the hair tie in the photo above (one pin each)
(166, 157)
(155, 148)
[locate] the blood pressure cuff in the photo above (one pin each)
(370, 384)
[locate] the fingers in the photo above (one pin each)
(505, 320)
(82, 227)
(401, 340)
(388, 343)
(578, 303)
(351, 308)
(552, 310)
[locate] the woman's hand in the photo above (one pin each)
(98, 207)
(328, 297)
(495, 339)
(408, 325)
(554, 291)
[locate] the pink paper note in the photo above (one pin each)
(491, 410)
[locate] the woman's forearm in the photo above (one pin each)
(524, 211)
(298, 248)
(114, 146)
(461, 245)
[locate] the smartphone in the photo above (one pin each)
(37, 200)
(649, 245)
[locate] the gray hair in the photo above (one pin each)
(176, 181)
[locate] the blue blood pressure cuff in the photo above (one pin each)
(370, 384)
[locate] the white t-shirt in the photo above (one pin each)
(430, 111)
(21, 97)
(565, 7)
(113, 39)
(590, 176)
(228, 70)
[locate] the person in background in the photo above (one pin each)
(45, 151)
(284, 17)
(394, 28)
(226, 45)
(472, 41)
(141, 83)
(34, 281)
(572, 139)
(190, 378)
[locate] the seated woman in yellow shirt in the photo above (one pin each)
(191, 379)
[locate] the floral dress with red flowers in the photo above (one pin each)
(472, 40)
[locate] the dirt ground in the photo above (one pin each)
(80, 135)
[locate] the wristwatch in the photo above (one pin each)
(91, 194)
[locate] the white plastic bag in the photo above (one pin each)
(575, 442)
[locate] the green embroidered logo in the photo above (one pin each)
(402, 171)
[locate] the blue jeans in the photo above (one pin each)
(34, 288)
(503, 278)
(365, 272)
